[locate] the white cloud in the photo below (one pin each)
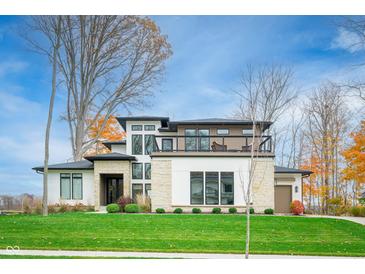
(347, 40)
(8, 67)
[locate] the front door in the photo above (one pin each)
(114, 189)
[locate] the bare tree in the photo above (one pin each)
(270, 88)
(50, 28)
(107, 62)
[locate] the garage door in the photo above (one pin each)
(282, 199)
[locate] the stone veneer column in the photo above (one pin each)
(111, 167)
(161, 184)
(263, 184)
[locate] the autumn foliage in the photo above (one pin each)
(102, 132)
(297, 207)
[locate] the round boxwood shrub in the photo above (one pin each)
(196, 210)
(178, 210)
(269, 211)
(112, 208)
(216, 210)
(160, 210)
(131, 208)
(232, 210)
(252, 211)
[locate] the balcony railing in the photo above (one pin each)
(213, 143)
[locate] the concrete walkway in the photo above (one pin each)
(359, 220)
(155, 255)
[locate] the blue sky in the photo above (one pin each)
(210, 53)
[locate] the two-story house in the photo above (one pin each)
(192, 163)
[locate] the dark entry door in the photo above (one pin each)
(114, 189)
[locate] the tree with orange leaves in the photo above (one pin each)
(355, 159)
(102, 131)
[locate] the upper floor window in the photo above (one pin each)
(149, 144)
(190, 142)
(137, 144)
(147, 171)
(149, 127)
(194, 141)
(137, 171)
(136, 127)
(247, 131)
(167, 144)
(222, 131)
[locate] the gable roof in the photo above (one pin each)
(123, 120)
(110, 157)
(83, 164)
(280, 169)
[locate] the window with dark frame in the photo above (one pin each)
(190, 142)
(147, 171)
(137, 171)
(166, 144)
(211, 188)
(204, 139)
(149, 144)
(65, 186)
(137, 127)
(136, 189)
(196, 188)
(149, 127)
(77, 186)
(227, 188)
(147, 188)
(137, 144)
(223, 131)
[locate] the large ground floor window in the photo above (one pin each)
(211, 188)
(71, 186)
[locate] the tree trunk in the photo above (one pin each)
(247, 248)
(49, 121)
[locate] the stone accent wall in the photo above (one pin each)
(111, 167)
(161, 184)
(263, 184)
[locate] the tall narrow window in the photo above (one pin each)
(211, 188)
(227, 188)
(166, 144)
(147, 171)
(147, 189)
(65, 186)
(203, 139)
(190, 140)
(137, 171)
(76, 186)
(196, 188)
(137, 144)
(137, 189)
(149, 144)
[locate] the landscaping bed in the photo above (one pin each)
(206, 233)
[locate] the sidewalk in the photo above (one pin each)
(156, 255)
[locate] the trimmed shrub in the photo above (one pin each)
(123, 201)
(160, 210)
(232, 210)
(216, 210)
(252, 211)
(196, 210)
(178, 210)
(297, 207)
(358, 211)
(131, 208)
(112, 208)
(269, 211)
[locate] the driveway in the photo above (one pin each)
(359, 220)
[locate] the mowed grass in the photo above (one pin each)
(183, 233)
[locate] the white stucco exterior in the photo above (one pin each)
(292, 179)
(119, 148)
(54, 196)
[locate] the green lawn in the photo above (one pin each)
(183, 233)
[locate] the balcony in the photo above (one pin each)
(213, 145)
